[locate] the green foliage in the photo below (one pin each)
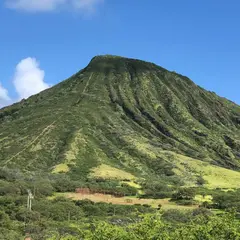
(120, 112)
(126, 114)
(51, 219)
(201, 181)
(62, 183)
(184, 194)
(175, 216)
(227, 200)
(152, 227)
(156, 189)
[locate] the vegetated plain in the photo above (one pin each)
(123, 131)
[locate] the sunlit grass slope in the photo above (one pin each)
(190, 169)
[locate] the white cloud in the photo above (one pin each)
(4, 97)
(29, 78)
(51, 5)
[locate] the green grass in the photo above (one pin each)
(135, 185)
(107, 172)
(190, 169)
(201, 198)
(124, 121)
(61, 168)
(116, 119)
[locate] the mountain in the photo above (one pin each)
(125, 119)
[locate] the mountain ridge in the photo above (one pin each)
(124, 113)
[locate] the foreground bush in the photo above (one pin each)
(152, 227)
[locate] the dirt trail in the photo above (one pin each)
(30, 144)
(44, 130)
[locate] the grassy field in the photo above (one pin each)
(107, 172)
(216, 177)
(165, 203)
(201, 198)
(61, 168)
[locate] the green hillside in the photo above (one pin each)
(121, 139)
(122, 113)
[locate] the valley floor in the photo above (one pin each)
(165, 203)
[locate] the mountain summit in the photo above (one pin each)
(125, 114)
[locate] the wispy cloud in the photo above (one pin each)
(29, 78)
(52, 5)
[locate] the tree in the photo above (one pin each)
(184, 194)
(201, 181)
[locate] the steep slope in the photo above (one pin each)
(124, 114)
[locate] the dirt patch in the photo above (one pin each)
(98, 197)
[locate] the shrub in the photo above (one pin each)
(184, 194)
(201, 181)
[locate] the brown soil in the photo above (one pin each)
(97, 197)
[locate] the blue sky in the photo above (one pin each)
(43, 42)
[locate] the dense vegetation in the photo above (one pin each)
(66, 219)
(55, 217)
(127, 128)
